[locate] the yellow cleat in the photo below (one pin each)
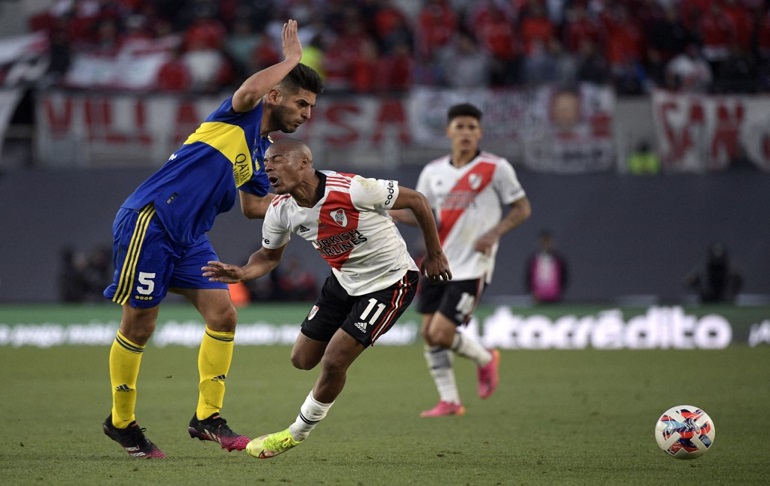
(271, 445)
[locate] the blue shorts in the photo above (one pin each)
(148, 262)
(364, 317)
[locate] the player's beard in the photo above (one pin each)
(280, 118)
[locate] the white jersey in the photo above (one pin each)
(468, 201)
(351, 229)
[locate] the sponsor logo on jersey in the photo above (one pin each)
(340, 217)
(303, 229)
(339, 244)
(474, 181)
(391, 192)
(242, 170)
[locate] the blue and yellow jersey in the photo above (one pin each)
(200, 179)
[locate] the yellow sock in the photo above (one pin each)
(214, 358)
(125, 358)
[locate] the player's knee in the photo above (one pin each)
(302, 361)
(223, 320)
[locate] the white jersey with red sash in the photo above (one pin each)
(351, 229)
(467, 202)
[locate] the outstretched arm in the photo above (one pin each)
(435, 264)
(254, 207)
(260, 263)
(247, 96)
(519, 212)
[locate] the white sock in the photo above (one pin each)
(310, 413)
(468, 347)
(440, 365)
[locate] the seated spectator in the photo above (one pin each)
(716, 280)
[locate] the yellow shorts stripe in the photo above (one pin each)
(128, 272)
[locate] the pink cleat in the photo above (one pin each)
(489, 375)
(444, 409)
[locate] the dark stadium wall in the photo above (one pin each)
(624, 237)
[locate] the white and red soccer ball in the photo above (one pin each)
(685, 432)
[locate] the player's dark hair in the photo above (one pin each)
(303, 77)
(463, 109)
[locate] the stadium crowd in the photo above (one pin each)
(369, 46)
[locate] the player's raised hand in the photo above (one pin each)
(436, 267)
(222, 272)
(290, 44)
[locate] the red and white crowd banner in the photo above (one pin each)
(548, 130)
(134, 66)
(698, 133)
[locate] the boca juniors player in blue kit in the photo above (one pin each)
(160, 241)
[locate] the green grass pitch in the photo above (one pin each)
(558, 417)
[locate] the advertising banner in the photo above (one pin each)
(501, 327)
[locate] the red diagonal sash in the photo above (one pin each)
(465, 190)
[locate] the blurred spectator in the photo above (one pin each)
(84, 276)
(592, 67)
(715, 280)
(239, 45)
(740, 18)
(437, 24)
(579, 28)
(397, 67)
(546, 271)
(738, 73)
(462, 64)
(313, 56)
(667, 38)
(644, 160)
(689, 72)
(392, 28)
(537, 30)
(60, 55)
(70, 281)
(716, 33)
(174, 75)
(624, 49)
(494, 26)
(364, 67)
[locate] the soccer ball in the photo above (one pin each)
(685, 432)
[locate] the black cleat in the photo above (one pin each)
(132, 439)
(215, 429)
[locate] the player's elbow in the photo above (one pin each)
(525, 209)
